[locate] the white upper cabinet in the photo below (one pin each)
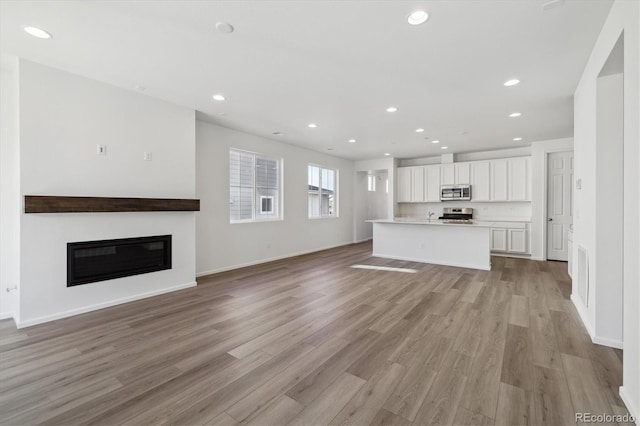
(432, 174)
(404, 185)
(505, 179)
(417, 184)
(455, 174)
(519, 181)
(462, 173)
(480, 181)
(447, 174)
(499, 180)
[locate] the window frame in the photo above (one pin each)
(257, 210)
(336, 191)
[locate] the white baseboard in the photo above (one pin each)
(632, 408)
(514, 255)
(409, 259)
(84, 309)
(6, 315)
(613, 343)
(270, 259)
(362, 241)
(605, 341)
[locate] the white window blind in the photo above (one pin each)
(254, 187)
(323, 192)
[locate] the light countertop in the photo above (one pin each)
(434, 222)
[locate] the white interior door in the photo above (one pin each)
(559, 203)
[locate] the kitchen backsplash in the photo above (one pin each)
(481, 211)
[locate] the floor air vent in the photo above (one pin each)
(583, 275)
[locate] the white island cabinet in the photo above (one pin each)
(452, 244)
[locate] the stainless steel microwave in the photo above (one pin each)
(455, 193)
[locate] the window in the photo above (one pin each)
(254, 187)
(323, 192)
(371, 180)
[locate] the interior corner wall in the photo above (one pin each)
(222, 245)
(623, 19)
(9, 192)
(383, 164)
(539, 153)
(63, 117)
(361, 230)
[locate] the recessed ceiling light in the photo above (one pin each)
(140, 88)
(392, 109)
(517, 139)
(312, 125)
(418, 17)
(419, 130)
(218, 97)
(387, 154)
(352, 141)
(444, 147)
(38, 32)
(329, 149)
(436, 141)
(511, 82)
(277, 133)
(515, 114)
(224, 27)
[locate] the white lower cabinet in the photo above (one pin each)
(510, 237)
(517, 240)
(498, 239)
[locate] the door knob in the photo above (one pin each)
(550, 219)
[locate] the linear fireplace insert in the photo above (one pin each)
(92, 261)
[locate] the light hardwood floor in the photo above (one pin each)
(310, 340)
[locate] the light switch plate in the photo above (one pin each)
(101, 150)
(148, 156)
(578, 183)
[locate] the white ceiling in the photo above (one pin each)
(338, 64)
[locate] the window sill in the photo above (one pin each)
(239, 222)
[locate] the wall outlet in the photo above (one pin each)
(101, 150)
(147, 156)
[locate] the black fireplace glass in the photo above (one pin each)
(92, 261)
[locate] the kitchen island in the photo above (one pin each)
(464, 245)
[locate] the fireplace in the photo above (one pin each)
(92, 261)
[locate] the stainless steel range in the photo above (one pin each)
(457, 215)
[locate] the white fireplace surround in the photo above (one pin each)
(60, 119)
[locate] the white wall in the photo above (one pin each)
(607, 291)
(517, 211)
(9, 191)
(62, 119)
(377, 201)
(624, 18)
(387, 164)
(221, 245)
(521, 151)
(363, 230)
(539, 154)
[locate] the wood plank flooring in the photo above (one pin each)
(311, 341)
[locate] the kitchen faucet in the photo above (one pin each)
(429, 214)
